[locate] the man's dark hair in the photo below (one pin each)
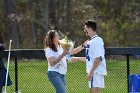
(91, 24)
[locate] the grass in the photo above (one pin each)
(32, 77)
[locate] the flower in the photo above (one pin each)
(66, 43)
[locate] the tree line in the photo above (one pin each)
(27, 21)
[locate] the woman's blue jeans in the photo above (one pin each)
(58, 81)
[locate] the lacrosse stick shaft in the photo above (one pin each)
(7, 67)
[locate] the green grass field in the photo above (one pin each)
(32, 77)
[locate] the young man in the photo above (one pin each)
(95, 59)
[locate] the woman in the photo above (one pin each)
(57, 65)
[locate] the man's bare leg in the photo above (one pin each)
(95, 90)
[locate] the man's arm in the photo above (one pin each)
(78, 49)
(95, 65)
(74, 59)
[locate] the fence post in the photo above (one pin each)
(16, 76)
(128, 70)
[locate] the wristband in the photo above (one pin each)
(83, 46)
(99, 58)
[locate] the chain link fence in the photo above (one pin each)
(32, 75)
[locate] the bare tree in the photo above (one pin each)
(33, 33)
(57, 14)
(67, 16)
(118, 8)
(139, 8)
(11, 20)
(46, 14)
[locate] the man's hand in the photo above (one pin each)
(89, 76)
(73, 59)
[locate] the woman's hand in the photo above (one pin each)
(65, 52)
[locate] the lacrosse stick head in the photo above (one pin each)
(2, 47)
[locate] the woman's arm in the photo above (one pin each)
(52, 60)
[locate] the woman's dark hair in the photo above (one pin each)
(91, 24)
(49, 40)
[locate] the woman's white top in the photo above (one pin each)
(61, 66)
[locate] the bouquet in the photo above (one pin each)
(66, 43)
